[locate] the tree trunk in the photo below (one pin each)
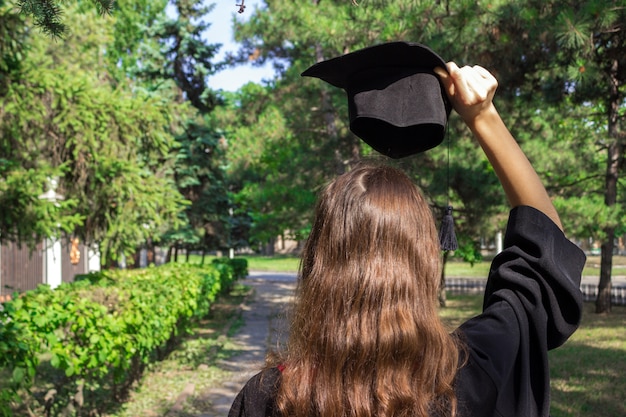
(603, 301)
(614, 157)
(136, 258)
(442, 281)
(269, 247)
(150, 253)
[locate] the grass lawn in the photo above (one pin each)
(273, 263)
(454, 268)
(277, 263)
(290, 264)
(587, 372)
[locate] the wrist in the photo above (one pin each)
(486, 117)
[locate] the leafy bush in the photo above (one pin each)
(96, 334)
(238, 265)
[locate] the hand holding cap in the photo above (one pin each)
(469, 89)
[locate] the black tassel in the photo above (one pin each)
(447, 237)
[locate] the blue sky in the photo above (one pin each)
(221, 32)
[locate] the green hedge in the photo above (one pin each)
(239, 265)
(97, 333)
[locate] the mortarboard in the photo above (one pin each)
(396, 103)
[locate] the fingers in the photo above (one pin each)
(471, 84)
(442, 73)
(475, 72)
(470, 88)
(481, 80)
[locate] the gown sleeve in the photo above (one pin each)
(257, 398)
(532, 304)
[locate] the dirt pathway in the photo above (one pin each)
(264, 326)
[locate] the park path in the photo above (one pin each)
(264, 318)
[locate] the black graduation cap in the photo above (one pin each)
(396, 103)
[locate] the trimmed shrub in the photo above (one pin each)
(238, 265)
(95, 335)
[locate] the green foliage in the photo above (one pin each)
(48, 15)
(12, 40)
(107, 143)
(552, 61)
(172, 54)
(199, 175)
(131, 20)
(179, 52)
(571, 56)
(99, 332)
(587, 216)
(297, 128)
(468, 251)
(271, 172)
(18, 357)
(26, 216)
(239, 266)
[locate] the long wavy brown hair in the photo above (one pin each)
(366, 339)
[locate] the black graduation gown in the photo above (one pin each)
(532, 304)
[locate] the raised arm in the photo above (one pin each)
(471, 91)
